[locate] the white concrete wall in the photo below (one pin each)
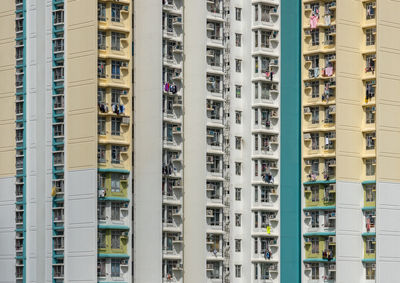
(387, 232)
(349, 243)
(147, 141)
(194, 221)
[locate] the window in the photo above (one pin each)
(370, 141)
(101, 239)
(315, 219)
(238, 65)
(238, 271)
(101, 181)
(370, 10)
(238, 168)
(315, 194)
(238, 245)
(238, 13)
(314, 115)
(315, 89)
(116, 126)
(315, 167)
(115, 69)
(238, 220)
(101, 40)
(101, 12)
(238, 91)
(328, 116)
(101, 267)
(314, 141)
(255, 168)
(370, 245)
(115, 211)
(116, 40)
(238, 39)
(101, 126)
(370, 115)
(238, 117)
(370, 271)
(115, 154)
(238, 194)
(116, 12)
(115, 239)
(238, 143)
(115, 267)
(255, 194)
(115, 183)
(370, 167)
(314, 245)
(315, 271)
(329, 143)
(315, 37)
(101, 154)
(370, 36)
(101, 95)
(101, 69)
(370, 194)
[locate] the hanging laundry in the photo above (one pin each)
(313, 22)
(271, 76)
(166, 87)
(328, 20)
(121, 109)
(329, 71)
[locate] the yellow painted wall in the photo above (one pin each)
(308, 249)
(81, 83)
(321, 202)
(388, 88)
(123, 245)
(369, 255)
(349, 90)
(7, 89)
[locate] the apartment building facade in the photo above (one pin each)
(348, 174)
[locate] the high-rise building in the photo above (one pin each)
(67, 213)
(350, 165)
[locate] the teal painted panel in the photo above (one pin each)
(290, 191)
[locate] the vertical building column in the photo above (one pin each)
(349, 144)
(290, 191)
(80, 90)
(148, 141)
(194, 222)
(388, 136)
(7, 141)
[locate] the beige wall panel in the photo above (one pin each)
(7, 136)
(8, 60)
(388, 168)
(390, 88)
(388, 116)
(347, 56)
(348, 115)
(389, 37)
(351, 171)
(343, 147)
(80, 40)
(80, 97)
(348, 10)
(83, 11)
(7, 109)
(388, 11)
(80, 156)
(388, 144)
(6, 30)
(7, 6)
(80, 126)
(7, 164)
(348, 89)
(386, 65)
(7, 79)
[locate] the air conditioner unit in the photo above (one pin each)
(124, 177)
(274, 87)
(210, 159)
(307, 110)
(124, 148)
(125, 120)
(124, 64)
(125, 234)
(125, 92)
(210, 213)
(307, 213)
